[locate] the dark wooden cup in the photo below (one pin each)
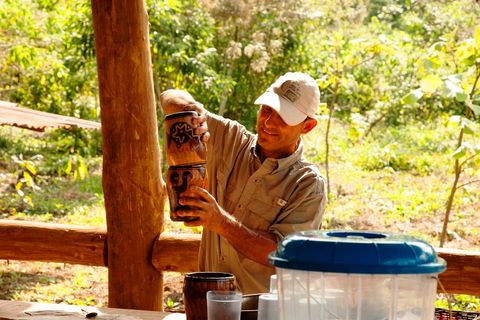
(179, 179)
(195, 288)
(184, 147)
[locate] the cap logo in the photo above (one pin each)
(289, 90)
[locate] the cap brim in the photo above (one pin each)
(289, 113)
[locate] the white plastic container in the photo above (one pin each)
(268, 302)
(347, 275)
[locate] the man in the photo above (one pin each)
(260, 187)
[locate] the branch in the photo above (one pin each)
(468, 159)
(467, 183)
(474, 86)
(362, 62)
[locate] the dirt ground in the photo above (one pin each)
(70, 284)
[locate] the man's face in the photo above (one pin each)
(276, 138)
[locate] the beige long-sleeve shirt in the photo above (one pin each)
(279, 196)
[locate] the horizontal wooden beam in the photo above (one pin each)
(176, 252)
(49, 242)
(463, 271)
(179, 252)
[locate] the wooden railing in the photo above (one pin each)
(47, 242)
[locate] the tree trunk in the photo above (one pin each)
(132, 183)
(453, 190)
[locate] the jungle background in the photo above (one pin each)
(398, 135)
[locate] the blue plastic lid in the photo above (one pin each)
(356, 252)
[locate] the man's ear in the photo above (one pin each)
(309, 124)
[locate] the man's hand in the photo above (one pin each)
(200, 123)
(254, 244)
(204, 207)
(174, 100)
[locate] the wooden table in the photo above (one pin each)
(41, 311)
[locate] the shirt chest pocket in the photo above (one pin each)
(261, 215)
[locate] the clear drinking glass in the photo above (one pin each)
(224, 305)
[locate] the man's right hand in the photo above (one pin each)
(175, 100)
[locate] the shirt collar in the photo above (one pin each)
(280, 163)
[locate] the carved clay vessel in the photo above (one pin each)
(183, 146)
(178, 180)
(186, 156)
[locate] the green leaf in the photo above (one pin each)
(468, 130)
(449, 37)
(477, 38)
(461, 96)
(430, 83)
(68, 169)
(460, 152)
(28, 178)
(413, 96)
(475, 108)
(29, 166)
(28, 200)
(455, 119)
(451, 89)
(465, 51)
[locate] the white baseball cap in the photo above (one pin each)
(295, 96)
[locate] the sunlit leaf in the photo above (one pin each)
(323, 108)
(475, 108)
(28, 200)
(425, 65)
(461, 96)
(449, 37)
(430, 83)
(477, 37)
(468, 130)
(29, 166)
(454, 120)
(465, 51)
(413, 96)
(451, 89)
(27, 176)
(438, 45)
(68, 169)
(460, 152)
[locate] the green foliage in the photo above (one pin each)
(63, 201)
(370, 190)
(26, 173)
(85, 143)
(35, 165)
(459, 302)
(41, 64)
(227, 53)
(450, 74)
(47, 58)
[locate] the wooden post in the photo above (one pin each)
(132, 183)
